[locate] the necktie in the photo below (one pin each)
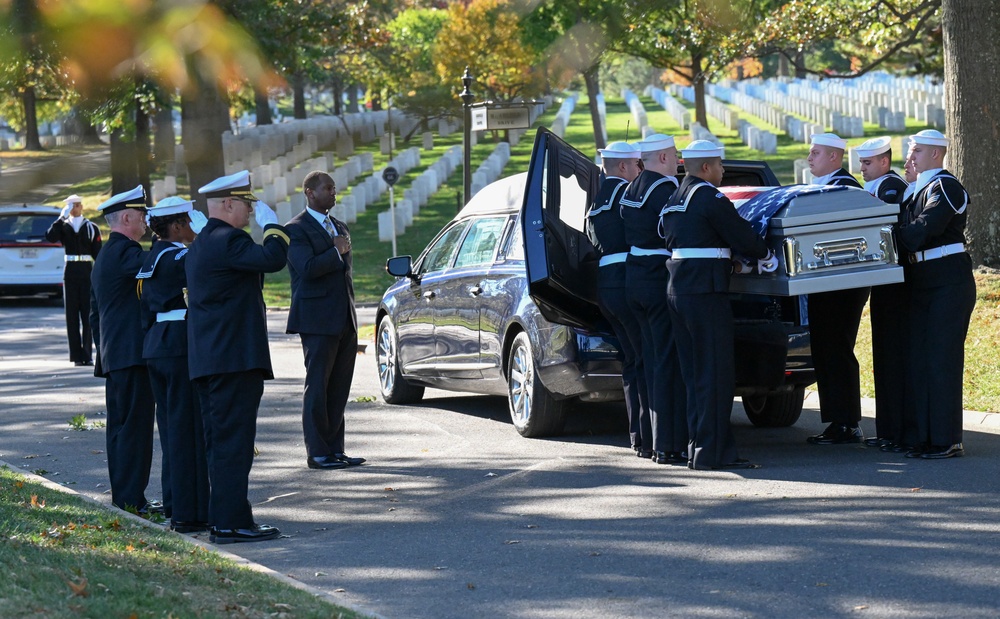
(329, 226)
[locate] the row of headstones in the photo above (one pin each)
(562, 116)
(637, 109)
(698, 132)
(490, 169)
(417, 195)
(602, 113)
(47, 141)
(754, 137)
(673, 107)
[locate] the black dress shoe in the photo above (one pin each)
(917, 451)
(325, 462)
(258, 533)
(188, 526)
(670, 457)
(877, 442)
(346, 459)
(644, 453)
(837, 434)
(151, 507)
(79, 363)
(939, 453)
(739, 463)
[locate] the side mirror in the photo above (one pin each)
(399, 266)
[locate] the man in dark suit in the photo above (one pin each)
(322, 313)
(834, 319)
(228, 355)
(117, 328)
(81, 240)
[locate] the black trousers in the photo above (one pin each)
(229, 405)
(130, 404)
(834, 318)
(185, 462)
(76, 298)
(888, 306)
(703, 327)
(939, 324)
(615, 307)
(662, 369)
(329, 363)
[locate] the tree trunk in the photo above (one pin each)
(263, 105)
(698, 81)
(800, 65)
(376, 98)
(590, 77)
(337, 85)
(164, 138)
(299, 90)
(352, 98)
(88, 132)
(143, 151)
(782, 65)
(31, 139)
(204, 118)
(124, 171)
(972, 101)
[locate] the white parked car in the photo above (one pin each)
(29, 264)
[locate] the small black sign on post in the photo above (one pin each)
(390, 175)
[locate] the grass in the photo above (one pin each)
(66, 557)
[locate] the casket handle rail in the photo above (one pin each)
(888, 245)
(793, 257)
(840, 252)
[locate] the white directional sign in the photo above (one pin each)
(495, 118)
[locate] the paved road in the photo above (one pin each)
(456, 516)
(36, 182)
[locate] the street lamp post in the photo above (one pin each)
(467, 98)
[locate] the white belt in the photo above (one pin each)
(642, 251)
(937, 252)
(76, 258)
(686, 253)
(613, 258)
(177, 314)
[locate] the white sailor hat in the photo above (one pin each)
(73, 199)
(620, 150)
(874, 146)
(173, 205)
(234, 185)
(133, 198)
(702, 149)
(655, 142)
(829, 139)
(930, 137)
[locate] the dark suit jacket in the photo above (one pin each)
(114, 305)
(227, 326)
(322, 283)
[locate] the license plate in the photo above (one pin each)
(29, 253)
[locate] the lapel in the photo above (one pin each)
(316, 230)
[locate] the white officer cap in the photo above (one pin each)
(232, 186)
(620, 150)
(930, 137)
(655, 142)
(874, 146)
(829, 139)
(73, 199)
(702, 149)
(133, 198)
(170, 206)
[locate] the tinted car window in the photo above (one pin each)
(479, 243)
(515, 246)
(23, 227)
(438, 255)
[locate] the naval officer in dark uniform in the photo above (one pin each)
(887, 305)
(834, 319)
(163, 281)
(320, 263)
(646, 287)
(117, 326)
(703, 230)
(942, 298)
(81, 240)
(622, 163)
(228, 355)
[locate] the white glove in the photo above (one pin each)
(768, 264)
(198, 221)
(264, 214)
(742, 265)
(64, 214)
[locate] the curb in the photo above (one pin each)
(241, 561)
(972, 421)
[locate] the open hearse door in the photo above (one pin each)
(560, 261)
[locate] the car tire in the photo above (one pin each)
(395, 389)
(533, 410)
(775, 410)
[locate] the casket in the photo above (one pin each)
(826, 238)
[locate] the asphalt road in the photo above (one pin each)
(456, 516)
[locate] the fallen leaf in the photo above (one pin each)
(490, 475)
(469, 585)
(440, 567)
(392, 509)
(318, 574)
(595, 554)
(96, 451)
(79, 588)
(340, 590)
(532, 526)
(38, 504)
(861, 607)
(130, 548)
(389, 489)
(915, 489)
(822, 584)
(512, 541)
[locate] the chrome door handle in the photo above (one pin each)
(430, 294)
(476, 290)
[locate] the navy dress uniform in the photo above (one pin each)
(163, 282)
(888, 309)
(322, 313)
(646, 285)
(606, 230)
(228, 354)
(834, 320)
(117, 326)
(942, 298)
(702, 229)
(81, 240)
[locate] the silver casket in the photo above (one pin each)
(826, 238)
